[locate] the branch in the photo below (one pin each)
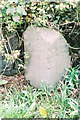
(67, 23)
(78, 18)
(72, 47)
(10, 48)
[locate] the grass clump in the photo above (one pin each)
(46, 102)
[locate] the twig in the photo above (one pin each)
(72, 47)
(67, 23)
(7, 64)
(70, 33)
(65, 74)
(72, 30)
(19, 38)
(78, 18)
(10, 48)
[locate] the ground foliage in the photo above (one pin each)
(20, 100)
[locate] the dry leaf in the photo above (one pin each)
(43, 112)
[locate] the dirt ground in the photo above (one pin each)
(13, 82)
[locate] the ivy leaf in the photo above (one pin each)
(2, 82)
(43, 112)
(16, 18)
(11, 10)
(21, 10)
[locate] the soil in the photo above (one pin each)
(13, 82)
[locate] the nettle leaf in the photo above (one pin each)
(11, 10)
(16, 18)
(21, 10)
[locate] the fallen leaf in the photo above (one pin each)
(43, 112)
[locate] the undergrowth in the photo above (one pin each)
(46, 102)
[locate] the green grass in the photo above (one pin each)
(58, 102)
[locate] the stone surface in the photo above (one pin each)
(48, 55)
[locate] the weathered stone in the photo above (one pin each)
(48, 53)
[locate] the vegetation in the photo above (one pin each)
(47, 102)
(61, 102)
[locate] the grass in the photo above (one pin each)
(46, 102)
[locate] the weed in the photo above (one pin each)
(61, 102)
